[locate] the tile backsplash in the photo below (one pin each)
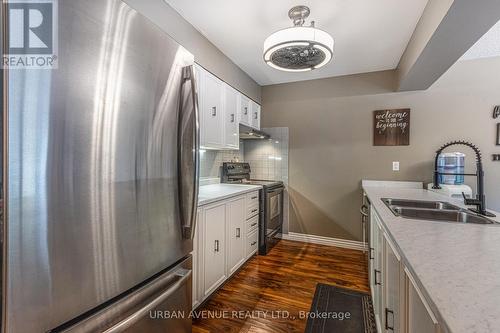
(269, 158)
(211, 160)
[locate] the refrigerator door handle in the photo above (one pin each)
(188, 154)
(184, 275)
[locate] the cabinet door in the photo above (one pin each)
(214, 247)
(255, 115)
(231, 127)
(196, 254)
(211, 113)
(376, 281)
(392, 287)
(245, 111)
(419, 316)
(236, 214)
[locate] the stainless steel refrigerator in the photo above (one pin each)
(100, 178)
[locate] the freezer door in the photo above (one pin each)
(94, 189)
(162, 305)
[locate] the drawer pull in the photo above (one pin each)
(214, 111)
(371, 253)
(238, 232)
(254, 210)
(253, 198)
(216, 246)
(253, 243)
(387, 312)
(253, 224)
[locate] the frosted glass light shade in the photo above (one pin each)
(305, 48)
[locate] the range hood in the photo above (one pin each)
(248, 133)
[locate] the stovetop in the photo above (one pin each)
(239, 173)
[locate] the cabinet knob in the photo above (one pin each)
(214, 111)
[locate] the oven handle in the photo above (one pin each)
(278, 191)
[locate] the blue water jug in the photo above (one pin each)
(451, 163)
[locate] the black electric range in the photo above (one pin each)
(270, 199)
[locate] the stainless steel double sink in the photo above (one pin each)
(434, 211)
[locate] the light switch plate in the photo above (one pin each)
(395, 166)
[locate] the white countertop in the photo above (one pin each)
(457, 265)
(211, 193)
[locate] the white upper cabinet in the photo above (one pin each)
(211, 93)
(231, 126)
(222, 109)
(249, 112)
(245, 111)
(255, 121)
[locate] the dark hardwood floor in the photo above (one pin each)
(274, 289)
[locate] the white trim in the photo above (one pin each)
(389, 183)
(348, 244)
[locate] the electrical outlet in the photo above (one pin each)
(395, 166)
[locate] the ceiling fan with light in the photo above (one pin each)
(299, 48)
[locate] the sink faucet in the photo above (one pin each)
(480, 200)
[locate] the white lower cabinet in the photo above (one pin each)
(398, 303)
(224, 239)
(196, 262)
(214, 245)
(392, 286)
(376, 269)
(420, 318)
(236, 232)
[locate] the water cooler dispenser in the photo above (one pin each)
(452, 185)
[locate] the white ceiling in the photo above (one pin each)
(486, 47)
(370, 35)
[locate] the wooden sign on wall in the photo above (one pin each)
(391, 127)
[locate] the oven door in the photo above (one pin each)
(274, 209)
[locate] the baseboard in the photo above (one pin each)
(348, 244)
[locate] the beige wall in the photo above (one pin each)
(206, 54)
(432, 16)
(331, 148)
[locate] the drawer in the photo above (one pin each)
(252, 243)
(252, 211)
(252, 224)
(253, 199)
